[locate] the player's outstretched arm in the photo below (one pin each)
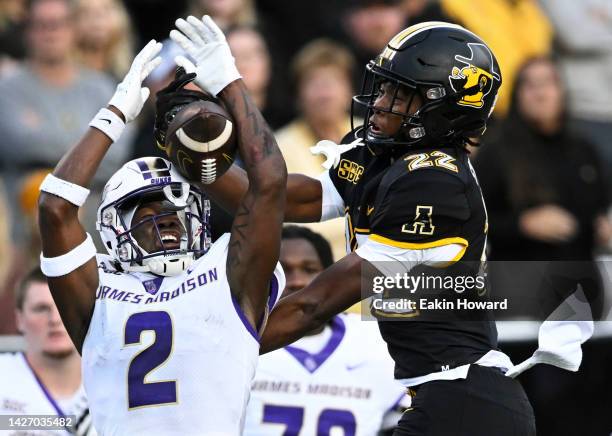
(255, 237)
(303, 199)
(68, 255)
(254, 245)
(333, 291)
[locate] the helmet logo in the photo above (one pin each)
(154, 169)
(476, 75)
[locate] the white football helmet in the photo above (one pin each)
(144, 180)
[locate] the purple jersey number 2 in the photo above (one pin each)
(293, 419)
(140, 392)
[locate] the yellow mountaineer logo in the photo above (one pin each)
(476, 74)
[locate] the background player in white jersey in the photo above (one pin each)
(168, 326)
(46, 378)
(323, 382)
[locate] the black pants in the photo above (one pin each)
(486, 403)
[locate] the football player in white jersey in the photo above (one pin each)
(324, 381)
(167, 325)
(46, 378)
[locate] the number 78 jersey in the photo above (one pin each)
(338, 382)
(172, 355)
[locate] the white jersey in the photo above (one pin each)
(23, 393)
(171, 355)
(338, 382)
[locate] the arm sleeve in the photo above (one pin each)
(332, 204)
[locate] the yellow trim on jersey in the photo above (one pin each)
(455, 259)
(460, 254)
(420, 245)
(360, 230)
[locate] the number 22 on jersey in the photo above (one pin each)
(142, 393)
(432, 159)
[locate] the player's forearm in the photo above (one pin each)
(333, 291)
(303, 202)
(263, 160)
(81, 162)
(77, 166)
(292, 318)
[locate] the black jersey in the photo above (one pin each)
(424, 198)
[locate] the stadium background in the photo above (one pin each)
(302, 60)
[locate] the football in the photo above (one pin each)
(201, 141)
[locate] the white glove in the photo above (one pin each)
(206, 44)
(130, 96)
(333, 151)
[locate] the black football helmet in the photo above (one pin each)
(454, 72)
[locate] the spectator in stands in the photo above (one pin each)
(18, 261)
(369, 25)
(28, 205)
(46, 105)
(104, 39)
(254, 62)
(296, 23)
(7, 319)
(5, 239)
(584, 48)
(46, 378)
(322, 73)
(516, 30)
(346, 354)
(12, 23)
(414, 8)
(543, 185)
(226, 13)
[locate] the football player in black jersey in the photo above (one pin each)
(405, 184)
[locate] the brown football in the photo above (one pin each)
(201, 141)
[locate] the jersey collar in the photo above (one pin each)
(312, 362)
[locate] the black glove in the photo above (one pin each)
(171, 99)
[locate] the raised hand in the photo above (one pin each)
(206, 44)
(130, 95)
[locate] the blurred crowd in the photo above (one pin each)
(545, 163)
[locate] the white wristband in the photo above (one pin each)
(108, 123)
(66, 263)
(71, 192)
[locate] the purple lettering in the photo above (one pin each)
(202, 280)
(105, 290)
(116, 294)
(191, 285)
(212, 274)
